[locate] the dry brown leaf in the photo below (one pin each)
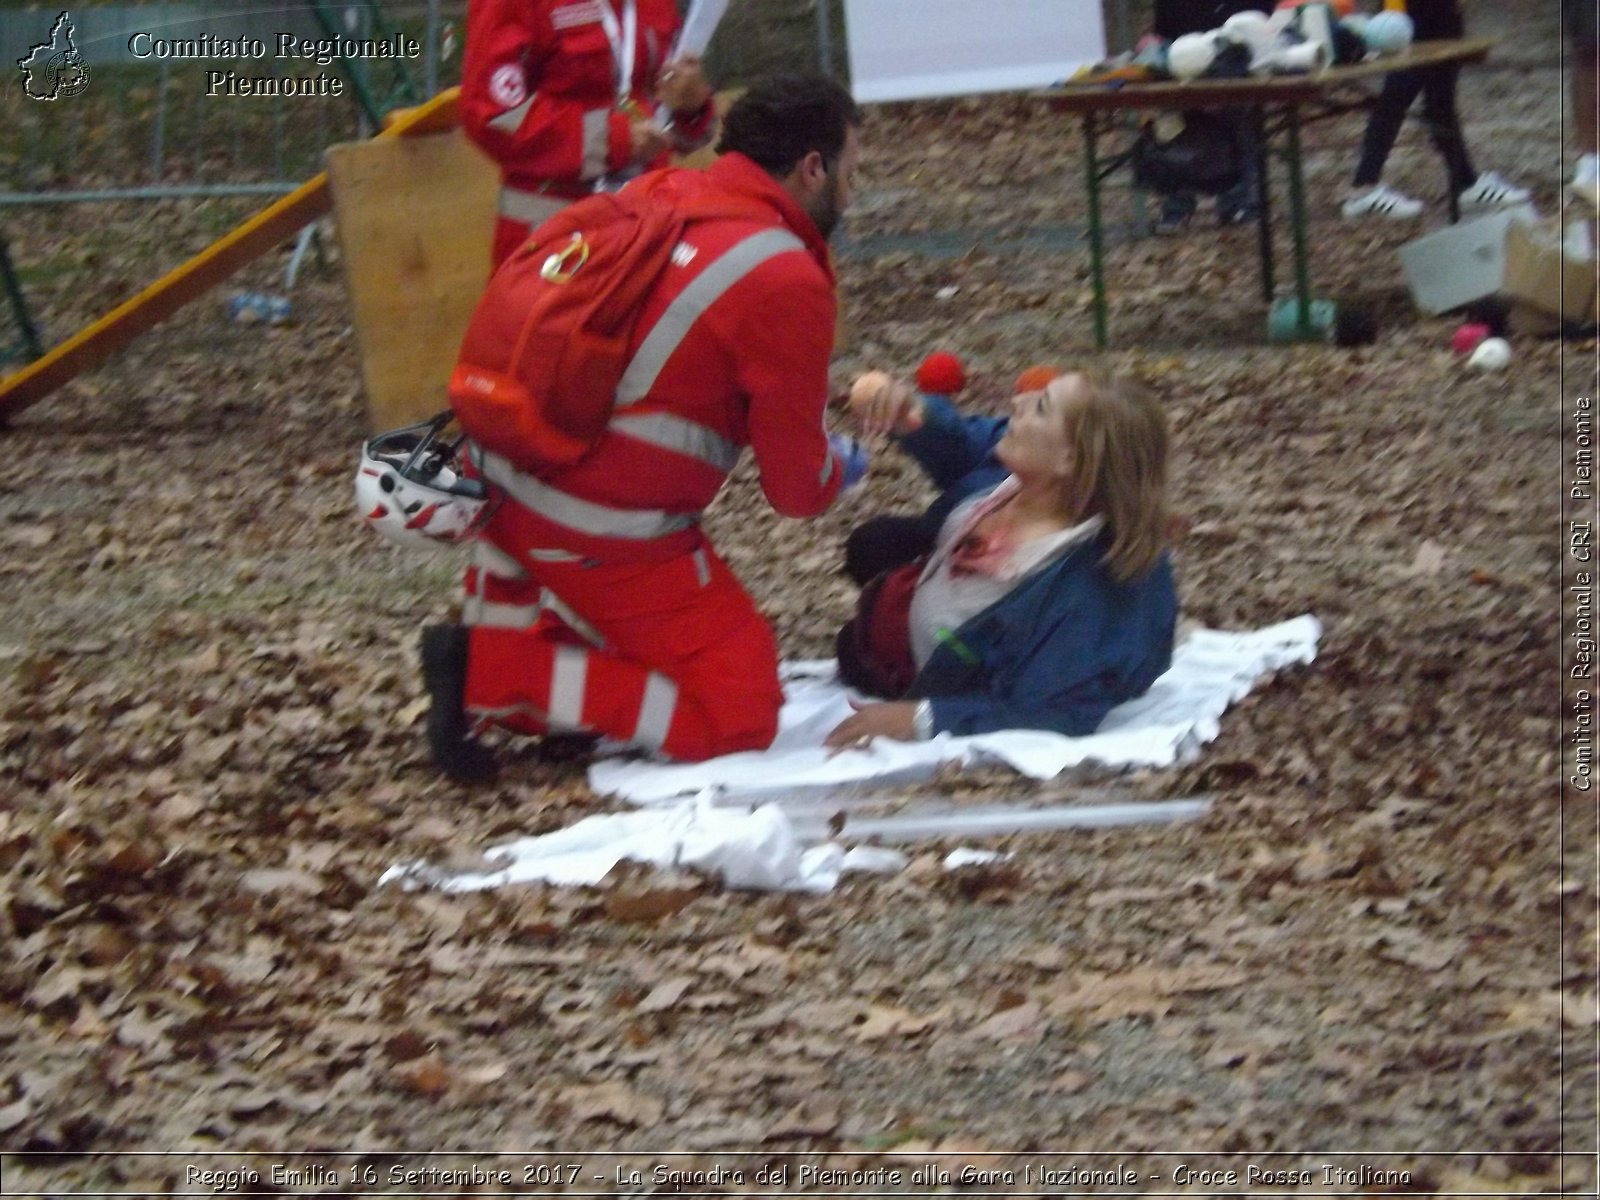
(406, 1045)
(810, 1118)
(14, 1114)
(142, 1032)
(885, 1022)
(30, 537)
(665, 995)
(486, 1074)
(267, 880)
(1415, 950)
(1548, 1010)
(614, 1101)
(1429, 560)
(1072, 1080)
(427, 1076)
(1013, 1024)
(650, 906)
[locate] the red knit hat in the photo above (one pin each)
(1036, 378)
(941, 374)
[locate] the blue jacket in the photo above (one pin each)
(1066, 645)
(956, 453)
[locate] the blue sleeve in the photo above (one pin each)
(1108, 649)
(950, 445)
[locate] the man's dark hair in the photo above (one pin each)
(783, 118)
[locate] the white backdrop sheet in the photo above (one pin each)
(901, 51)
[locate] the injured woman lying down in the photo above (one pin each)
(1047, 599)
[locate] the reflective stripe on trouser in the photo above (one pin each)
(672, 657)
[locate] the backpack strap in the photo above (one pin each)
(691, 304)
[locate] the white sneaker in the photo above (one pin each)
(1382, 202)
(1492, 192)
(1587, 172)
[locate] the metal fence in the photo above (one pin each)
(190, 99)
(131, 134)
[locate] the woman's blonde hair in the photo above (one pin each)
(1118, 432)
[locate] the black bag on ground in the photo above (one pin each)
(1203, 157)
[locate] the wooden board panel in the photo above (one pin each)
(98, 341)
(416, 223)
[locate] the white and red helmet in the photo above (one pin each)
(412, 489)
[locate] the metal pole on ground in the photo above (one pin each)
(1297, 220)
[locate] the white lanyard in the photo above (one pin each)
(624, 41)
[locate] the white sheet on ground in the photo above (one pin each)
(684, 826)
(1168, 724)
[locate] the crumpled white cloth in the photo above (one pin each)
(1169, 723)
(756, 850)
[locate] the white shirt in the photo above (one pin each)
(944, 601)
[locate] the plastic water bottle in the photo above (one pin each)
(249, 308)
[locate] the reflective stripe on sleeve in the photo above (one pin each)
(596, 142)
(691, 303)
(531, 208)
(511, 120)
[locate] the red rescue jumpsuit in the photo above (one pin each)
(540, 94)
(594, 599)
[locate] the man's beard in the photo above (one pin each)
(824, 210)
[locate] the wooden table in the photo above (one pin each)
(1277, 102)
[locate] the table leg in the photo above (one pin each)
(1096, 251)
(1264, 205)
(1297, 220)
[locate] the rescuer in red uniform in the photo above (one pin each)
(595, 603)
(571, 96)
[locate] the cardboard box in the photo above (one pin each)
(1550, 280)
(1461, 263)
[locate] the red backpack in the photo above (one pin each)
(548, 343)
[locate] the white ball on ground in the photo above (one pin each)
(1492, 354)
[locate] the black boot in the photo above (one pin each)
(444, 674)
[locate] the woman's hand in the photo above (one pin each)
(682, 86)
(895, 719)
(881, 403)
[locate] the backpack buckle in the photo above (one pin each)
(556, 270)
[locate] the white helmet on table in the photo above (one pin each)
(412, 489)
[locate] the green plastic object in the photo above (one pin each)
(1284, 322)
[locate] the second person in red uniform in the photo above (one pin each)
(571, 96)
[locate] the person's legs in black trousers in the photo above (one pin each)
(1237, 205)
(1368, 196)
(1469, 188)
(1388, 113)
(1444, 126)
